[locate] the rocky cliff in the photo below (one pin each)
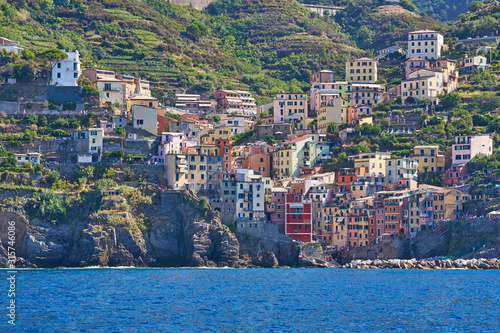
(178, 236)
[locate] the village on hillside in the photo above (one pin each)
(296, 162)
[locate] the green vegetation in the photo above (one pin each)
(443, 10)
(51, 206)
(202, 206)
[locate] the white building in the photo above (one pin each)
(10, 45)
(65, 72)
(401, 168)
(466, 147)
(423, 83)
(250, 191)
(89, 144)
(471, 63)
(425, 44)
(145, 118)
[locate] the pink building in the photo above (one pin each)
(363, 109)
(320, 81)
(468, 146)
(414, 64)
(393, 93)
(456, 174)
(172, 143)
(108, 126)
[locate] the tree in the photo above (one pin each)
(475, 6)
(478, 163)
(9, 162)
(171, 97)
(25, 72)
(86, 171)
(450, 101)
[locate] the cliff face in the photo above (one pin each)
(180, 236)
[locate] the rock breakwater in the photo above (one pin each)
(425, 264)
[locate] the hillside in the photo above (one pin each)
(443, 10)
(482, 20)
(178, 46)
(374, 25)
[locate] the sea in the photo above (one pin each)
(253, 300)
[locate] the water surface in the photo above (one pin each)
(255, 300)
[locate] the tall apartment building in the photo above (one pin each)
(294, 155)
(362, 70)
(65, 72)
(291, 107)
(368, 94)
(372, 163)
(322, 86)
(332, 111)
(466, 147)
(298, 224)
(425, 44)
(249, 196)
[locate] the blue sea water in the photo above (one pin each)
(254, 300)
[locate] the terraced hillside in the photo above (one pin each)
(259, 45)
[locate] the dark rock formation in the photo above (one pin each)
(180, 236)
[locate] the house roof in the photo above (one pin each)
(365, 58)
(417, 58)
(421, 31)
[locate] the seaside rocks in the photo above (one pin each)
(267, 260)
(491, 263)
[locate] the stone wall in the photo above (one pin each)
(393, 248)
(198, 4)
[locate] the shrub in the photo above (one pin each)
(50, 205)
(202, 206)
(53, 177)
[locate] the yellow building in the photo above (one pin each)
(336, 224)
(423, 83)
(373, 163)
(366, 94)
(332, 111)
(291, 108)
(429, 159)
(220, 133)
(186, 171)
(363, 70)
(448, 204)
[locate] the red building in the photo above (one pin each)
(345, 178)
(455, 174)
(229, 99)
(225, 151)
(298, 218)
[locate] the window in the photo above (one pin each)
(58, 75)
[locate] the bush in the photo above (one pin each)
(202, 206)
(53, 177)
(49, 205)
